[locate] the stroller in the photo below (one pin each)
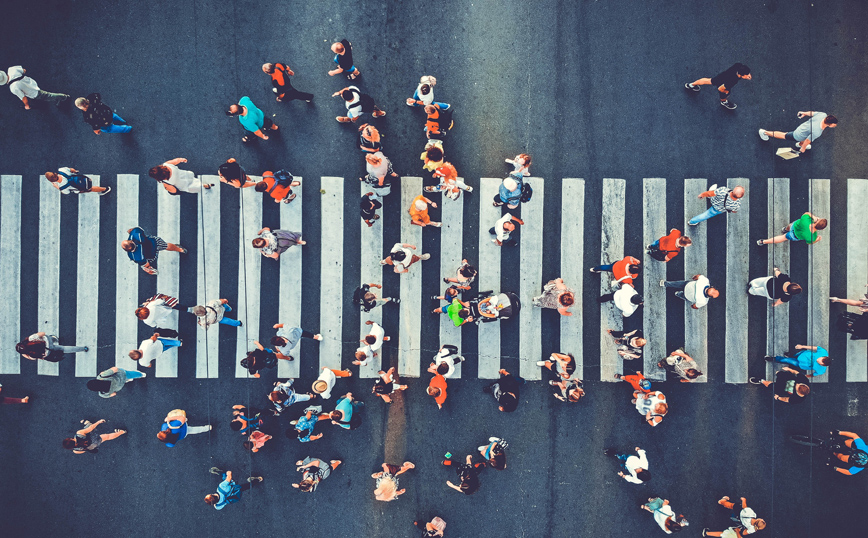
(489, 306)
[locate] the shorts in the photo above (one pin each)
(790, 136)
(160, 244)
(791, 235)
(338, 63)
(267, 123)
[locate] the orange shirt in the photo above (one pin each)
(619, 270)
(417, 215)
(439, 382)
(667, 242)
(432, 124)
(279, 193)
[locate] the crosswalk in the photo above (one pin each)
(335, 286)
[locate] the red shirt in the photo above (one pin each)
(439, 382)
(667, 242)
(619, 270)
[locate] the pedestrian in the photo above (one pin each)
(313, 471)
(244, 424)
(326, 381)
(813, 360)
(424, 94)
(228, 492)
(387, 384)
(86, 440)
(284, 396)
(144, 249)
(278, 185)
(681, 364)
(790, 385)
(343, 50)
(723, 200)
(494, 453)
(433, 528)
(369, 138)
(387, 481)
(281, 84)
(449, 183)
(357, 104)
(175, 180)
(286, 340)
(652, 405)
(862, 304)
(437, 388)
(151, 348)
(630, 344)
(468, 475)
(509, 192)
(563, 365)
(807, 132)
(668, 246)
(68, 180)
(571, 389)
(368, 206)
(272, 244)
(464, 275)
(100, 116)
(663, 513)
(502, 230)
(371, 343)
(634, 469)
(367, 300)
(438, 120)
(625, 297)
(805, 229)
(232, 174)
(8, 400)
(305, 424)
(520, 164)
(696, 292)
(854, 324)
(556, 295)
(450, 295)
(41, 346)
(251, 118)
(505, 390)
(348, 412)
(158, 312)
(432, 158)
(778, 287)
(457, 310)
(445, 360)
(108, 382)
(724, 81)
(401, 257)
(419, 212)
(637, 381)
(623, 270)
(259, 359)
(25, 88)
(175, 428)
(212, 312)
(256, 441)
(748, 522)
(855, 457)
(380, 174)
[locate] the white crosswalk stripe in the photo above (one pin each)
(857, 270)
(654, 325)
(87, 282)
(249, 275)
(818, 275)
(451, 254)
(529, 317)
(777, 317)
(372, 273)
(289, 306)
(331, 272)
(489, 257)
(208, 283)
(169, 228)
(573, 266)
(696, 263)
(10, 272)
(126, 192)
(49, 267)
(738, 245)
(612, 250)
(410, 320)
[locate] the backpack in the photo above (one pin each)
(444, 123)
(282, 178)
(526, 192)
(359, 298)
(660, 255)
(79, 182)
(367, 102)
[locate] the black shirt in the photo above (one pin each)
(508, 384)
(728, 78)
(369, 207)
(469, 477)
(98, 114)
(775, 287)
(345, 60)
(359, 298)
(785, 385)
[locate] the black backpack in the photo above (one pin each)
(526, 192)
(79, 182)
(444, 123)
(282, 178)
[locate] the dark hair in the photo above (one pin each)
(278, 396)
(822, 223)
(692, 373)
(434, 154)
(301, 434)
(261, 187)
(31, 347)
(248, 445)
(278, 341)
(468, 271)
(498, 458)
(424, 89)
(370, 339)
(237, 110)
(464, 313)
(160, 173)
(211, 499)
(508, 402)
(433, 391)
(672, 525)
(633, 268)
(399, 255)
(794, 289)
(830, 119)
(686, 240)
(567, 298)
(644, 475)
(236, 425)
(742, 69)
(802, 389)
(442, 368)
(70, 442)
(306, 485)
(635, 299)
(347, 95)
(335, 415)
(258, 242)
(451, 290)
(99, 385)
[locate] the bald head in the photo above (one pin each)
(738, 192)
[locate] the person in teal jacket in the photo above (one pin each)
(251, 118)
(228, 491)
(813, 360)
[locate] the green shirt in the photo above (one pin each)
(452, 311)
(802, 229)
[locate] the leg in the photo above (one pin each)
(175, 248)
(775, 239)
(757, 287)
(114, 128)
(307, 334)
(109, 436)
(787, 360)
(678, 284)
(776, 134)
(707, 214)
(170, 342)
(193, 430)
(849, 302)
(341, 373)
(55, 98)
(134, 374)
(230, 322)
(73, 349)
(606, 297)
(601, 268)
(726, 503)
(5, 400)
(680, 295)
(634, 380)
(701, 82)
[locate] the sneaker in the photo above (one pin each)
(429, 189)
(144, 375)
(425, 256)
(382, 262)
(713, 187)
(704, 531)
(728, 105)
(799, 147)
(593, 270)
(769, 358)
(468, 189)
(763, 135)
(437, 224)
(754, 381)
(435, 298)
(833, 299)
(86, 349)
(255, 479)
(690, 86)
(540, 363)
(552, 382)
(785, 229)
(760, 242)
(216, 470)
(106, 191)
(662, 283)
(396, 300)
(241, 324)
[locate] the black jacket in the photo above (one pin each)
(98, 115)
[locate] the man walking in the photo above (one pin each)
(144, 249)
(401, 257)
(100, 116)
(152, 348)
(636, 466)
(623, 270)
(367, 300)
(668, 246)
(805, 133)
(724, 81)
(419, 212)
(805, 229)
(696, 292)
(228, 491)
(626, 298)
(778, 287)
(282, 86)
(344, 59)
(813, 360)
(502, 230)
(25, 88)
(723, 200)
(109, 382)
(505, 390)
(790, 385)
(357, 104)
(68, 180)
(287, 339)
(251, 118)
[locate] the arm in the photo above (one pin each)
(376, 286)
(177, 161)
(812, 348)
(90, 428)
(405, 245)
(26, 102)
(777, 303)
(453, 486)
(260, 134)
(518, 220)
(706, 194)
(258, 345)
(278, 325)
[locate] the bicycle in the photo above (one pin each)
(831, 445)
(835, 445)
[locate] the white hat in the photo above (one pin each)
(510, 184)
(3, 78)
(420, 205)
(428, 79)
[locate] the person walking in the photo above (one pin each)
(637, 381)
(457, 310)
(494, 453)
(419, 212)
(100, 116)
(85, 440)
(424, 94)
(251, 118)
(437, 387)
(630, 344)
(287, 338)
(434, 528)
(663, 513)
(468, 475)
(571, 390)
(46, 347)
(634, 469)
(214, 311)
(520, 164)
(175, 428)
(25, 88)
(380, 174)
(306, 423)
(807, 132)
(438, 120)
(563, 365)
(371, 343)
(368, 206)
(401, 257)
(805, 229)
(445, 361)
(625, 297)
(273, 243)
(449, 183)
(7, 400)
(282, 86)
(228, 492)
(432, 157)
(313, 471)
(284, 396)
(556, 295)
(505, 390)
(326, 381)
(668, 246)
(623, 270)
(723, 200)
(244, 424)
(387, 384)
(681, 364)
(464, 275)
(343, 50)
(369, 139)
(813, 360)
(778, 287)
(724, 82)
(696, 292)
(746, 517)
(144, 249)
(175, 180)
(108, 382)
(234, 175)
(854, 453)
(357, 104)
(278, 185)
(68, 180)
(151, 349)
(509, 192)
(387, 481)
(653, 406)
(158, 312)
(367, 300)
(259, 359)
(348, 412)
(502, 230)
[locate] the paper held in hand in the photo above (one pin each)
(787, 153)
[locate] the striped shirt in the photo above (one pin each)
(722, 201)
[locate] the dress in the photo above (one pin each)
(279, 241)
(550, 296)
(183, 180)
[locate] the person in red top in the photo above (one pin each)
(282, 87)
(280, 193)
(624, 270)
(437, 388)
(433, 129)
(668, 246)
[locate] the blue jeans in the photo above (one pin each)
(787, 360)
(655, 244)
(679, 284)
(227, 321)
(133, 374)
(115, 128)
(604, 267)
(170, 342)
(710, 212)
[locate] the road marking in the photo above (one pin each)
(126, 192)
(857, 270)
(654, 310)
(572, 266)
(611, 250)
(777, 318)
(10, 272)
(208, 281)
(331, 271)
(87, 282)
(695, 263)
(451, 254)
(169, 228)
(488, 340)
(372, 273)
(738, 244)
(49, 265)
(249, 275)
(289, 308)
(818, 274)
(410, 321)
(531, 282)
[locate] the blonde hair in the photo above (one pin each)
(387, 488)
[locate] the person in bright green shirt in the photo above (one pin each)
(804, 229)
(457, 311)
(251, 118)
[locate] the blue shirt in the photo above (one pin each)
(146, 247)
(860, 444)
(229, 492)
(807, 360)
(176, 428)
(511, 197)
(306, 424)
(345, 405)
(255, 119)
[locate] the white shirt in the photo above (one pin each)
(622, 300)
(63, 181)
(378, 333)
(405, 263)
(380, 170)
(369, 354)
(150, 350)
(159, 315)
(356, 102)
(745, 516)
(443, 356)
(633, 463)
(26, 87)
(694, 291)
(502, 234)
(329, 377)
(183, 180)
(426, 99)
(661, 515)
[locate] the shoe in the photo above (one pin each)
(86, 349)
(293, 422)
(552, 382)
(241, 324)
(540, 363)
(487, 389)
(728, 105)
(425, 256)
(617, 376)
(760, 242)
(752, 381)
(713, 187)
(785, 229)
(468, 190)
(215, 470)
(144, 375)
(690, 86)
(396, 300)
(382, 262)
(833, 299)
(593, 270)
(769, 358)
(106, 191)
(493, 439)
(435, 298)
(690, 223)
(429, 189)
(662, 283)
(763, 135)
(704, 531)
(799, 147)
(255, 479)
(723, 499)
(437, 224)
(609, 452)
(183, 250)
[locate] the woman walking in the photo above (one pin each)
(778, 287)
(561, 364)
(175, 428)
(213, 312)
(387, 385)
(380, 173)
(175, 180)
(681, 364)
(313, 471)
(272, 244)
(664, 516)
(232, 174)
(41, 346)
(629, 344)
(464, 275)
(556, 295)
(468, 475)
(259, 359)
(387, 481)
(520, 164)
(86, 440)
(433, 155)
(369, 139)
(495, 453)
